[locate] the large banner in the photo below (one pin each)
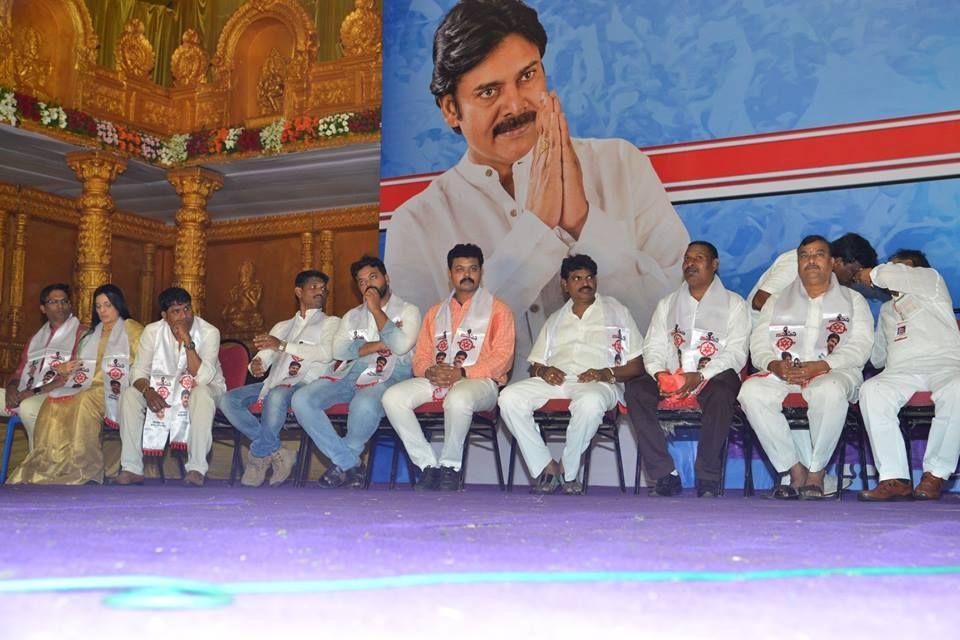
(765, 122)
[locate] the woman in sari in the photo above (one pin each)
(67, 438)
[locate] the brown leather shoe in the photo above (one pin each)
(929, 487)
(193, 479)
(128, 477)
(888, 491)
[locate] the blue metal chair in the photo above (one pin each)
(12, 423)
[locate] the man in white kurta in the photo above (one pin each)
(295, 352)
(525, 191)
(796, 323)
(918, 343)
(577, 356)
(702, 331)
(202, 363)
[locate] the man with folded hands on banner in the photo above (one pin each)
(295, 352)
(693, 353)
(573, 358)
(374, 343)
(526, 191)
(475, 332)
(919, 344)
(851, 253)
(178, 353)
(798, 321)
(46, 362)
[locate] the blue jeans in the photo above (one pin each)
(366, 411)
(263, 433)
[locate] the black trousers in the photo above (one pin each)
(717, 400)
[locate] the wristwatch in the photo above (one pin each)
(283, 346)
(192, 346)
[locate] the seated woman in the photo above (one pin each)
(67, 438)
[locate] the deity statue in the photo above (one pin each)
(270, 86)
(32, 68)
(361, 30)
(189, 62)
(242, 312)
(135, 56)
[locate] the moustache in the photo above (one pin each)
(691, 270)
(585, 289)
(514, 122)
(470, 280)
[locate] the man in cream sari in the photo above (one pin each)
(700, 334)
(296, 352)
(45, 363)
(797, 323)
(178, 353)
(584, 352)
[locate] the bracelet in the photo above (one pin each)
(283, 346)
(613, 376)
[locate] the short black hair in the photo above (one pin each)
(712, 250)
(915, 256)
(381, 360)
(464, 251)
(367, 261)
(833, 335)
(470, 31)
(173, 295)
(852, 247)
(575, 263)
(310, 274)
(50, 288)
(459, 353)
(814, 238)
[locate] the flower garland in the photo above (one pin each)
(15, 108)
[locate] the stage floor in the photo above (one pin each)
(686, 567)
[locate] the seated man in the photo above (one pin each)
(45, 363)
(296, 352)
(700, 331)
(575, 356)
(798, 321)
(178, 353)
(851, 252)
(475, 333)
(919, 344)
(374, 343)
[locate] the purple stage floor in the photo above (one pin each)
(227, 535)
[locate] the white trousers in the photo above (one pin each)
(827, 399)
(28, 411)
(133, 408)
(465, 397)
(881, 398)
(588, 402)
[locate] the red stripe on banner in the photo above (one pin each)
(818, 152)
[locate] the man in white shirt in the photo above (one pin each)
(700, 332)
(295, 352)
(919, 344)
(46, 362)
(374, 343)
(851, 253)
(797, 322)
(181, 347)
(525, 191)
(575, 357)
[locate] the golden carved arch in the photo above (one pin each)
(249, 36)
(52, 62)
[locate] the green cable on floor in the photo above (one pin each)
(155, 592)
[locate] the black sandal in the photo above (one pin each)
(811, 492)
(785, 492)
(547, 483)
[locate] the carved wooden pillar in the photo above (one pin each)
(306, 250)
(96, 170)
(17, 264)
(194, 186)
(3, 251)
(326, 263)
(146, 283)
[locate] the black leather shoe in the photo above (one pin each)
(668, 485)
(335, 477)
(708, 489)
(449, 479)
(429, 480)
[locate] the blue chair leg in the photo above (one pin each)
(8, 445)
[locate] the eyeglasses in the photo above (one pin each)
(61, 302)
